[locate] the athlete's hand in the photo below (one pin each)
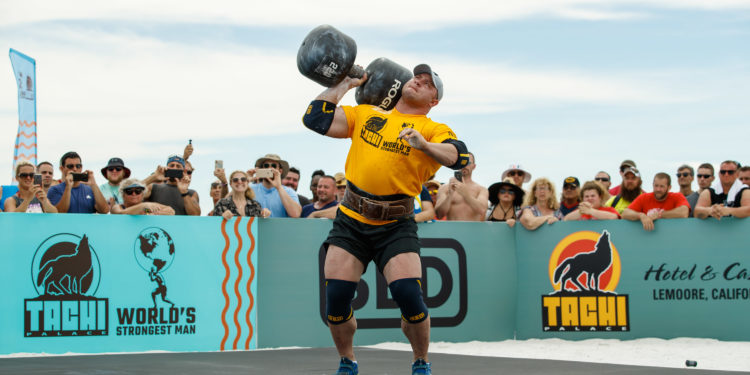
(354, 82)
(413, 137)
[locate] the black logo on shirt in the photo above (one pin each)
(373, 126)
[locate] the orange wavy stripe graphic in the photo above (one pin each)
(224, 284)
(237, 282)
(24, 157)
(24, 145)
(26, 124)
(27, 135)
(249, 282)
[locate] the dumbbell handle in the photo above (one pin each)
(356, 72)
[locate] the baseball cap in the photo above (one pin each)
(340, 179)
(424, 68)
(632, 170)
(627, 163)
(176, 158)
(571, 181)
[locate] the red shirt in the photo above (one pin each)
(602, 208)
(615, 190)
(647, 202)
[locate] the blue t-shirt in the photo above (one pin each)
(270, 199)
(310, 208)
(81, 198)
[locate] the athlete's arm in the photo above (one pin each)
(324, 116)
(443, 153)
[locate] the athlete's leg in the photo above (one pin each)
(406, 266)
(341, 265)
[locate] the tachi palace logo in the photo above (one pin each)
(584, 270)
(65, 272)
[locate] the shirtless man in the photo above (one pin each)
(463, 200)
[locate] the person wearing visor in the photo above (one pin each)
(174, 192)
(132, 192)
(392, 154)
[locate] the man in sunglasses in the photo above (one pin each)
(132, 192)
(685, 176)
(175, 192)
(78, 192)
(270, 193)
(724, 195)
(604, 179)
(517, 174)
(114, 172)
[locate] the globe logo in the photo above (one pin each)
(154, 250)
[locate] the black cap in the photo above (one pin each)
(571, 181)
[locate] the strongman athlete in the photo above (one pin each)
(392, 154)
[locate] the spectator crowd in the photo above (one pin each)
(269, 189)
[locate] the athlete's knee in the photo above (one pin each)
(339, 295)
(408, 295)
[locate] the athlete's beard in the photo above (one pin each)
(630, 195)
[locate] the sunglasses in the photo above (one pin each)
(134, 191)
(683, 174)
(189, 172)
(238, 179)
(570, 187)
(728, 171)
(602, 179)
(516, 173)
(704, 176)
(215, 185)
(73, 166)
(25, 175)
(113, 169)
(507, 191)
(270, 165)
(433, 191)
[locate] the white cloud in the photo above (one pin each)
(406, 15)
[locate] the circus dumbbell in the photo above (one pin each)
(327, 56)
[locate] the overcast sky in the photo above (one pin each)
(562, 87)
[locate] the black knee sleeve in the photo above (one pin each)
(339, 295)
(408, 295)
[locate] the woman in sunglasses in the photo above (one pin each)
(506, 198)
(132, 192)
(241, 200)
(29, 198)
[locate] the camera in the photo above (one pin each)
(264, 173)
(458, 176)
(173, 173)
(84, 177)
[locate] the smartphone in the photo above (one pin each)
(458, 176)
(190, 141)
(37, 179)
(218, 164)
(80, 177)
(264, 173)
(173, 173)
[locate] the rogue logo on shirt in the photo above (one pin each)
(584, 270)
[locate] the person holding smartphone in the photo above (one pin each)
(282, 200)
(78, 192)
(174, 192)
(461, 198)
(30, 196)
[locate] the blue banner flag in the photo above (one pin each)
(24, 70)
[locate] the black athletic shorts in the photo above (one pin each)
(374, 242)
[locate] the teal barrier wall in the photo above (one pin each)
(470, 275)
(484, 281)
(689, 277)
(92, 283)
